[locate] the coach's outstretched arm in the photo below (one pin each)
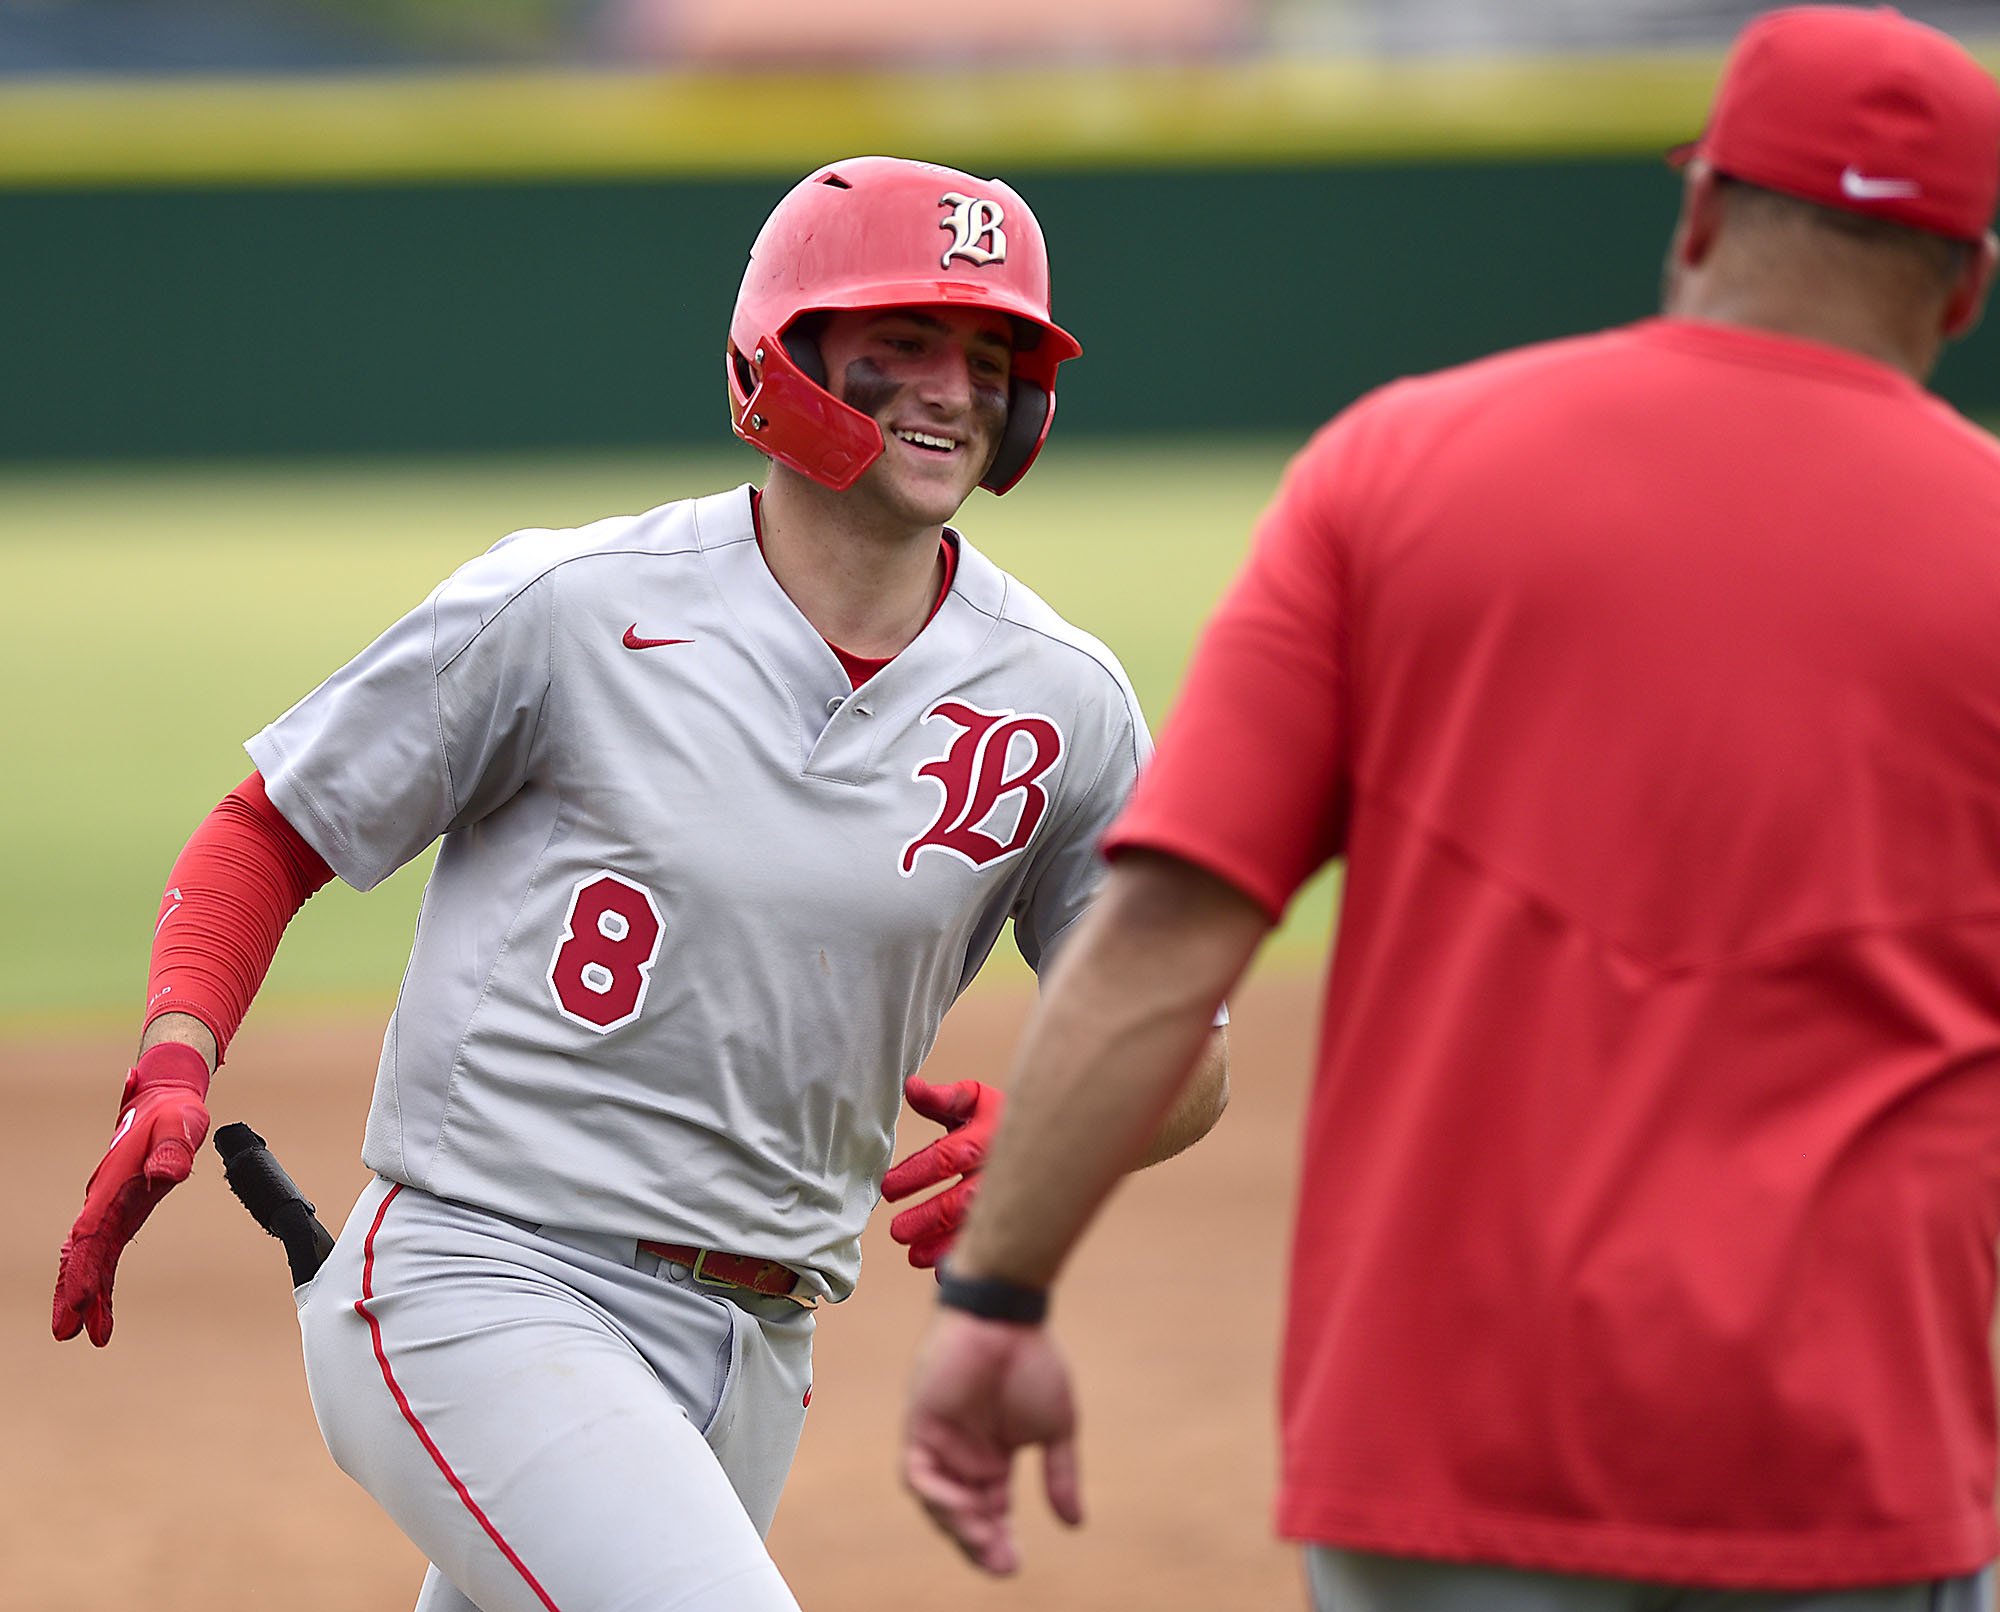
(242, 876)
(1109, 1047)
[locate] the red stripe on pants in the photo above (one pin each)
(403, 1404)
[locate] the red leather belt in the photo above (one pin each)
(764, 1276)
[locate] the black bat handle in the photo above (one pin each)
(273, 1199)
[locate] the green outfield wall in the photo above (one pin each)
(496, 263)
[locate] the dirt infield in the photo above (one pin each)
(180, 1469)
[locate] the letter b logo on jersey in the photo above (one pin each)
(994, 763)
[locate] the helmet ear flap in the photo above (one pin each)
(803, 347)
(1029, 408)
(780, 411)
(801, 344)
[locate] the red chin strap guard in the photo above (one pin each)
(801, 424)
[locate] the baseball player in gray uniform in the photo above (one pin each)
(735, 797)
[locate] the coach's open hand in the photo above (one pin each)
(982, 1390)
(968, 1110)
(161, 1123)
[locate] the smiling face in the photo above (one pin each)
(935, 381)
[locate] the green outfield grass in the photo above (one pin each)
(154, 617)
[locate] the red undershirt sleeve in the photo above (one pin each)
(242, 876)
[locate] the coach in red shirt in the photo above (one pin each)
(1649, 683)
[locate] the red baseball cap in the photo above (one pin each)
(1863, 109)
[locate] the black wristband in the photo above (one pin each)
(993, 1298)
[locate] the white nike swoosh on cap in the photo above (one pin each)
(1858, 186)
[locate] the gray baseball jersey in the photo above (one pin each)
(700, 905)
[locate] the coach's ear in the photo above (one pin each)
(1968, 295)
(1701, 216)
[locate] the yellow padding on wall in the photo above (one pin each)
(512, 126)
(494, 126)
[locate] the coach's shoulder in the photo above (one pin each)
(1410, 427)
(1965, 439)
(1506, 373)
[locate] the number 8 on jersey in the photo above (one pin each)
(604, 960)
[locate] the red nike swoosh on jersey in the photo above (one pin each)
(634, 641)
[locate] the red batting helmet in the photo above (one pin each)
(884, 232)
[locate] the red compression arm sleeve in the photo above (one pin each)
(241, 877)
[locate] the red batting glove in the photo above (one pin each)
(968, 1110)
(161, 1122)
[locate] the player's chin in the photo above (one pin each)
(932, 505)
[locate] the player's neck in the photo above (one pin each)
(864, 588)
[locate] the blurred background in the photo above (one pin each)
(180, 35)
(234, 227)
(304, 302)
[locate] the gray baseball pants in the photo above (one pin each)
(558, 1421)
